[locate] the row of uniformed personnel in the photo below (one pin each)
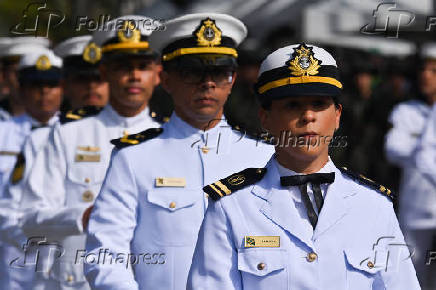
(37, 78)
(293, 223)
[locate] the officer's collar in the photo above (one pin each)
(27, 119)
(283, 171)
(183, 129)
(126, 122)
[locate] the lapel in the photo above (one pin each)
(279, 206)
(335, 205)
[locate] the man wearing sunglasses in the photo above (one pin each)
(151, 205)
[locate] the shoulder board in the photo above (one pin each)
(369, 182)
(159, 118)
(18, 172)
(78, 114)
(134, 139)
(234, 182)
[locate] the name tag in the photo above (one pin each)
(87, 158)
(262, 241)
(88, 148)
(170, 182)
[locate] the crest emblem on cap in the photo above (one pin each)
(92, 53)
(208, 34)
(303, 62)
(43, 63)
(129, 32)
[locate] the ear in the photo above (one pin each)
(158, 70)
(264, 118)
(338, 112)
(235, 74)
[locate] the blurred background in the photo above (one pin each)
(378, 69)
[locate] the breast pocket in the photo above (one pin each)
(263, 268)
(85, 180)
(362, 271)
(173, 215)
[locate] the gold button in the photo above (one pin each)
(88, 196)
(311, 257)
(70, 278)
(259, 171)
(205, 150)
(370, 264)
(87, 180)
(172, 204)
(261, 266)
(153, 114)
(125, 132)
(206, 195)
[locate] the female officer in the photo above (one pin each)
(301, 222)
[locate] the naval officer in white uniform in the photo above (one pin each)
(151, 204)
(39, 75)
(68, 173)
(300, 222)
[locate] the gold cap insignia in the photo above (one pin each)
(129, 32)
(92, 53)
(303, 62)
(43, 63)
(208, 34)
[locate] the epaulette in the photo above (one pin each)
(134, 139)
(78, 114)
(369, 182)
(18, 172)
(234, 182)
(159, 118)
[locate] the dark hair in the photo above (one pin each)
(266, 104)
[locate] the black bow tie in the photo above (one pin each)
(316, 179)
